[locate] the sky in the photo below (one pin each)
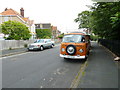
(60, 13)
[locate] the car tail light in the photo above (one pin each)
(38, 45)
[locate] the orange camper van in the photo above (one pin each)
(75, 45)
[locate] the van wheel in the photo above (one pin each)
(41, 48)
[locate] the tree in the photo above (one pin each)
(61, 36)
(83, 19)
(15, 30)
(105, 25)
(44, 33)
(103, 19)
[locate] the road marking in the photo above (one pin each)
(41, 86)
(77, 78)
(18, 53)
(44, 79)
(51, 79)
(13, 55)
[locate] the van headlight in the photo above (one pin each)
(63, 49)
(81, 50)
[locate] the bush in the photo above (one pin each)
(94, 38)
(25, 45)
(43, 33)
(61, 36)
(15, 30)
(10, 48)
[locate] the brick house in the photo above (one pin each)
(43, 25)
(55, 32)
(10, 14)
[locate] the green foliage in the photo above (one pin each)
(83, 19)
(44, 33)
(15, 30)
(61, 36)
(94, 37)
(103, 20)
(10, 48)
(25, 45)
(46, 37)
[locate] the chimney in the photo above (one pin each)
(22, 12)
(5, 9)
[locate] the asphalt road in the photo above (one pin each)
(45, 69)
(39, 69)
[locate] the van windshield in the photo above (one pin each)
(72, 38)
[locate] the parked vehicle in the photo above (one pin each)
(75, 45)
(41, 44)
(1, 38)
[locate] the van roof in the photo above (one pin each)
(81, 33)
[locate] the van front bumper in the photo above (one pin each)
(73, 57)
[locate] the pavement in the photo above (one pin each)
(13, 51)
(101, 70)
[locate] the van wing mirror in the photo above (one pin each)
(83, 39)
(87, 37)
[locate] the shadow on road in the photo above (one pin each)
(45, 49)
(81, 61)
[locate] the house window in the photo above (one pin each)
(5, 19)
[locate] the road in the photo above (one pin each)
(39, 69)
(45, 69)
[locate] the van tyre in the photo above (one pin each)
(71, 49)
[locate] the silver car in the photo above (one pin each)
(41, 44)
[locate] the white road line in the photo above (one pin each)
(21, 53)
(13, 55)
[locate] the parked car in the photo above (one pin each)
(75, 46)
(1, 38)
(41, 44)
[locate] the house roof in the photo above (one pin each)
(13, 12)
(26, 19)
(10, 12)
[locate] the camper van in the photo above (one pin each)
(75, 45)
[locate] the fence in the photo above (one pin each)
(112, 45)
(7, 44)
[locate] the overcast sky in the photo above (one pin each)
(60, 13)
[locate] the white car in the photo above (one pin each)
(41, 44)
